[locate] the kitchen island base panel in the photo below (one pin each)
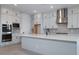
(49, 47)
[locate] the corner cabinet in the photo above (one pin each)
(73, 18)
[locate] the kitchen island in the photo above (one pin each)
(51, 44)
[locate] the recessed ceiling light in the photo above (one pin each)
(15, 4)
(51, 7)
(35, 11)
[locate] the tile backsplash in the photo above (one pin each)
(73, 31)
(70, 31)
(62, 28)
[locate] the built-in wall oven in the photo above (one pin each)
(6, 32)
(6, 37)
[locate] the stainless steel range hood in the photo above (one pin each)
(62, 16)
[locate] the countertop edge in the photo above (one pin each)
(51, 38)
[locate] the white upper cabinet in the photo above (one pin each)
(73, 18)
(50, 20)
(37, 19)
(4, 11)
(46, 20)
(73, 10)
(78, 21)
(76, 10)
(4, 19)
(9, 16)
(70, 21)
(9, 12)
(54, 13)
(70, 11)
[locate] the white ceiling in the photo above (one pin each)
(29, 8)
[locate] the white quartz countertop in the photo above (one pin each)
(72, 38)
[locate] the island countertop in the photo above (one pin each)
(51, 44)
(72, 38)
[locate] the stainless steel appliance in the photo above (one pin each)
(6, 32)
(16, 25)
(6, 37)
(62, 21)
(62, 16)
(6, 28)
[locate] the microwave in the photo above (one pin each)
(16, 25)
(6, 27)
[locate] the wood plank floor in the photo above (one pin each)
(15, 50)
